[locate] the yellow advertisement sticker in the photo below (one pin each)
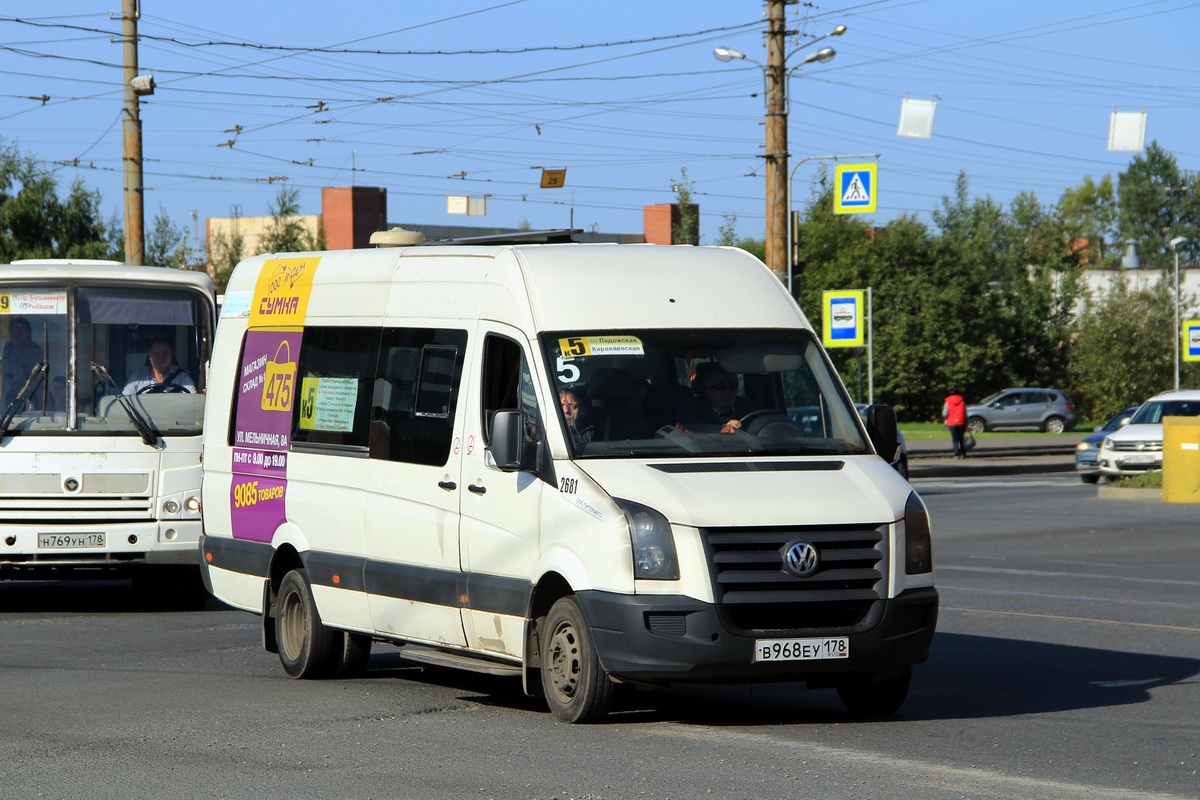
(576, 346)
(282, 292)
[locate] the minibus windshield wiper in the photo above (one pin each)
(145, 428)
(35, 374)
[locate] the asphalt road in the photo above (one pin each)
(1066, 666)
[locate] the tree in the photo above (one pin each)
(168, 244)
(286, 233)
(1088, 214)
(688, 229)
(224, 253)
(727, 237)
(1158, 202)
(1123, 349)
(36, 223)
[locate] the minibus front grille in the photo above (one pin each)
(756, 593)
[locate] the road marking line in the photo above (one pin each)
(1065, 618)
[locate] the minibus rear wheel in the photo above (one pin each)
(306, 646)
(576, 687)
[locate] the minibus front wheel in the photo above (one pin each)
(576, 687)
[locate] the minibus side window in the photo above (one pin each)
(415, 394)
(334, 376)
(507, 383)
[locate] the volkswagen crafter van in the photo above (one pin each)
(390, 457)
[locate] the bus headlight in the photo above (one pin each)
(171, 507)
(653, 545)
(918, 544)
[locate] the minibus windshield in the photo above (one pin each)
(702, 392)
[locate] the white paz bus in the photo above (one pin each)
(510, 458)
(100, 463)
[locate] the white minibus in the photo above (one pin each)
(99, 462)
(583, 465)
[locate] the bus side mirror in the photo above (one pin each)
(884, 433)
(504, 439)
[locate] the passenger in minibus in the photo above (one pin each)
(161, 373)
(716, 400)
(577, 413)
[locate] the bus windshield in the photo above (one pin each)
(101, 360)
(699, 392)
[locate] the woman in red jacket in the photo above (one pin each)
(954, 409)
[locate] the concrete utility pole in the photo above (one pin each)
(135, 241)
(776, 154)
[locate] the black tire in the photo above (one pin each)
(1090, 478)
(307, 649)
(863, 696)
(576, 687)
(1054, 425)
(976, 425)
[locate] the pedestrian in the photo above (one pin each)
(954, 410)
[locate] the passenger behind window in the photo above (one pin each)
(578, 414)
(21, 354)
(617, 392)
(715, 402)
(56, 403)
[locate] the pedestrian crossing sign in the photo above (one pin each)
(855, 188)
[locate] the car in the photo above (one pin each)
(1137, 448)
(901, 462)
(1049, 410)
(1087, 452)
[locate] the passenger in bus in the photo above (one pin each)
(57, 402)
(161, 373)
(716, 401)
(21, 353)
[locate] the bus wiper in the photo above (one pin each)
(31, 384)
(147, 430)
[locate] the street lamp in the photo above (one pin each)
(1174, 245)
(776, 75)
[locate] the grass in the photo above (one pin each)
(1149, 480)
(917, 431)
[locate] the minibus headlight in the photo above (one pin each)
(653, 545)
(918, 545)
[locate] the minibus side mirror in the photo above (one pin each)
(504, 439)
(885, 435)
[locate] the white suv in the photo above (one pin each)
(1138, 447)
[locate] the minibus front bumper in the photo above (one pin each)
(657, 639)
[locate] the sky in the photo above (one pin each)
(475, 99)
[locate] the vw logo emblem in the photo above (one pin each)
(801, 559)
